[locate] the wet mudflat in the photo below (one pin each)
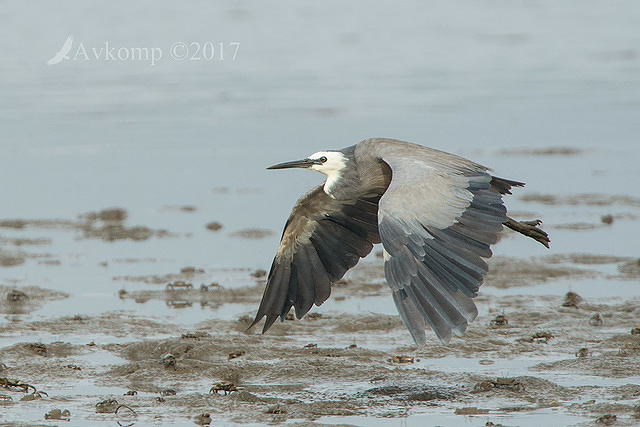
(555, 355)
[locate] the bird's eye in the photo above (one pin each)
(322, 159)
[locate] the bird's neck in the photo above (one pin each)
(332, 182)
(343, 184)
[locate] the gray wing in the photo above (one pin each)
(437, 221)
(322, 239)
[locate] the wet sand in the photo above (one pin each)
(544, 355)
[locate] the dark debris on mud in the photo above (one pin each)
(107, 224)
(337, 364)
(587, 199)
(26, 299)
(550, 151)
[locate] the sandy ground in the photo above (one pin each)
(523, 354)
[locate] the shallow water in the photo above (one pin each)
(544, 93)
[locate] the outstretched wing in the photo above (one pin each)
(437, 221)
(322, 239)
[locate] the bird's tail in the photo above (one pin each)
(504, 185)
(530, 229)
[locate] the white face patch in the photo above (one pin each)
(331, 168)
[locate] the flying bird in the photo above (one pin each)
(436, 215)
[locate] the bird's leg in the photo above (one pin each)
(529, 229)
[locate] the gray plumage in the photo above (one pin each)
(436, 215)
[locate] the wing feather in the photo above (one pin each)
(305, 282)
(276, 291)
(437, 221)
(321, 281)
(322, 239)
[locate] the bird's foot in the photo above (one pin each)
(529, 229)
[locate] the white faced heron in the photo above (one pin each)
(436, 215)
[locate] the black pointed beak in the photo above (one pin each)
(304, 163)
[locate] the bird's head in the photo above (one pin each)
(329, 163)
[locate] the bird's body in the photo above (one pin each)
(436, 215)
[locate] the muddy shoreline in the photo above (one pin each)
(520, 355)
